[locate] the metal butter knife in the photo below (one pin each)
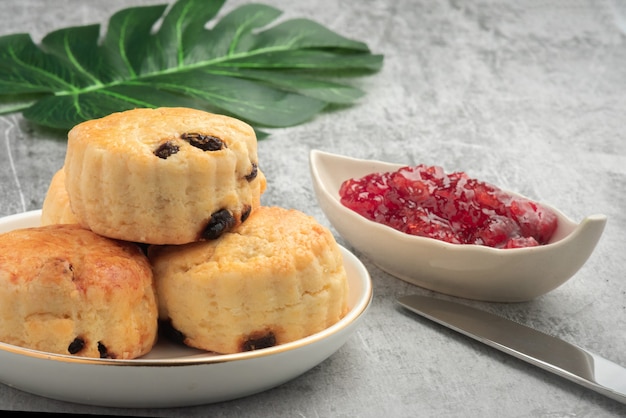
(535, 347)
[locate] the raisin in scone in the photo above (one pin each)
(56, 205)
(163, 176)
(67, 290)
(276, 278)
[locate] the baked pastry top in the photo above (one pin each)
(163, 176)
(67, 290)
(276, 278)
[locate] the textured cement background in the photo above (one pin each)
(529, 95)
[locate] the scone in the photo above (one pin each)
(163, 176)
(277, 278)
(56, 205)
(66, 290)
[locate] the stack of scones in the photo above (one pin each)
(155, 222)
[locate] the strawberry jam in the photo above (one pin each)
(455, 208)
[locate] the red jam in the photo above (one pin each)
(454, 208)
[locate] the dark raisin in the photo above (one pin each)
(204, 142)
(166, 149)
(245, 212)
(76, 345)
(104, 352)
(168, 331)
(220, 222)
(263, 340)
(253, 173)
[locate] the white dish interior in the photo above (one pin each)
(468, 271)
(172, 375)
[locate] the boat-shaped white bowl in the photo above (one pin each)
(467, 271)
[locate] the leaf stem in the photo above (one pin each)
(5, 110)
(178, 69)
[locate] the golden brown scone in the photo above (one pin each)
(162, 176)
(56, 205)
(276, 278)
(66, 290)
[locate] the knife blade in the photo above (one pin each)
(535, 347)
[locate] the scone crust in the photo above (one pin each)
(56, 205)
(66, 290)
(277, 278)
(120, 187)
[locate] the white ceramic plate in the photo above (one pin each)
(467, 271)
(171, 375)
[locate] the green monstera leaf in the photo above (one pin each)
(245, 65)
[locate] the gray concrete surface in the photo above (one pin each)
(529, 95)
